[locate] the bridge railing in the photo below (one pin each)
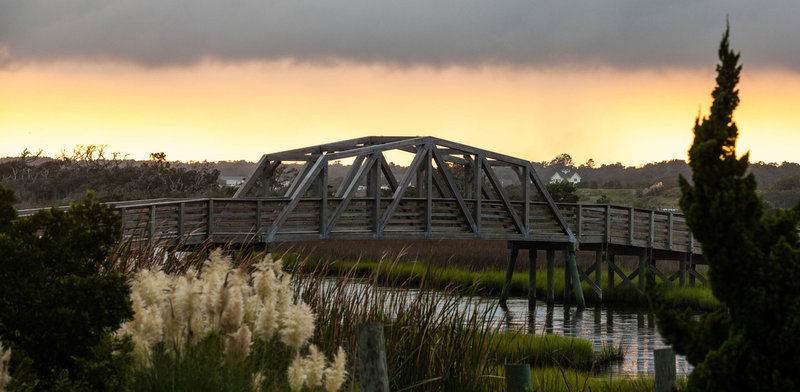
(195, 221)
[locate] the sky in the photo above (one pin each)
(610, 80)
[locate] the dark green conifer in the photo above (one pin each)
(754, 262)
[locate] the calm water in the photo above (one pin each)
(634, 330)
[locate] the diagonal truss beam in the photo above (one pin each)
(295, 197)
(498, 187)
(452, 186)
(398, 193)
(349, 193)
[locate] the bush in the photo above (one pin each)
(60, 300)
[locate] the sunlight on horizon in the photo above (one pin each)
(231, 112)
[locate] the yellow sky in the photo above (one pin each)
(227, 112)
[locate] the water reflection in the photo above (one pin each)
(633, 330)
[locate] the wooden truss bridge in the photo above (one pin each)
(449, 191)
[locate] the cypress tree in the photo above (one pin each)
(754, 262)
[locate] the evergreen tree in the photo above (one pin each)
(754, 262)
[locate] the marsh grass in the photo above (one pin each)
(490, 282)
(554, 379)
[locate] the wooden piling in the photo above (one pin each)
(512, 258)
(518, 378)
(531, 277)
(551, 262)
(643, 271)
(682, 271)
(567, 278)
(372, 370)
(665, 370)
(576, 279)
(598, 273)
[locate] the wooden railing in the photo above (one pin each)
(195, 221)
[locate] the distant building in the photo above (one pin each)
(566, 175)
(234, 181)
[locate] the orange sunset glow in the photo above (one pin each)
(230, 112)
(532, 81)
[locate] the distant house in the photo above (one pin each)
(566, 175)
(234, 181)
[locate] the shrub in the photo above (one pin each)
(59, 298)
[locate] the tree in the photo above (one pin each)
(61, 299)
(561, 160)
(563, 192)
(754, 262)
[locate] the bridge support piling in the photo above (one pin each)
(682, 271)
(567, 278)
(576, 279)
(598, 273)
(551, 279)
(609, 261)
(643, 262)
(512, 259)
(532, 277)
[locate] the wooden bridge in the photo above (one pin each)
(449, 191)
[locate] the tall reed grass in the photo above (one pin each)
(435, 340)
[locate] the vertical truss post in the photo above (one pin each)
(374, 190)
(428, 190)
(323, 208)
(478, 180)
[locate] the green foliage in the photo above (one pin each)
(203, 367)
(603, 199)
(60, 299)
(754, 262)
(563, 192)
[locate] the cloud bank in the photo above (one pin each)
(622, 34)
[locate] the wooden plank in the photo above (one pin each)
(551, 262)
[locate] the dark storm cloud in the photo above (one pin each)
(623, 34)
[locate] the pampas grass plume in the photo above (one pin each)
(337, 372)
(297, 373)
(298, 325)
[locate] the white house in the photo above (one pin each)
(235, 181)
(566, 175)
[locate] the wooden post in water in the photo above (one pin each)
(665, 370)
(643, 271)
(576, 279)
(682, 271)
(512, 258)
(610, 260)
(531, 277)
(372, 369)
(567, 278)
(518, 378)
(598, 273)
(551, 279)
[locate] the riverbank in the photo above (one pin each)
(490, 282)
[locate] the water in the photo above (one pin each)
(634, 330)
